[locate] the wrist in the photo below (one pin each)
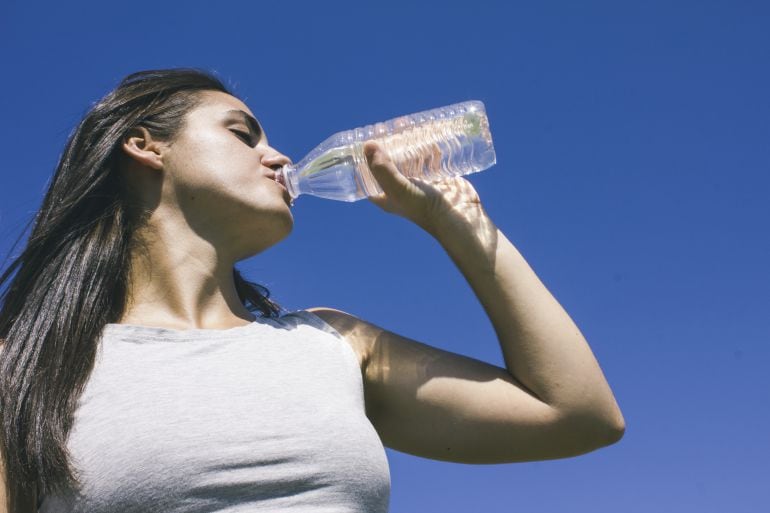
(461, 224)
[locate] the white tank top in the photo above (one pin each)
(264, 417)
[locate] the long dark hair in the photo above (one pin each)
(71, 278)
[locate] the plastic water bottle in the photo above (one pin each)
(448, 141)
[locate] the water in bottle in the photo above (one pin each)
(449, 141)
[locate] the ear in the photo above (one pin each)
(139, 145)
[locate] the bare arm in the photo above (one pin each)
(552, 388)
(542, 347)
(551, 401)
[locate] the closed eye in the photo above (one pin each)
(244, 136)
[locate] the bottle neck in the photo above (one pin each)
(288, 177)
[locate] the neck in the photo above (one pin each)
(179, 280)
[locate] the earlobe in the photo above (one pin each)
(139, 145)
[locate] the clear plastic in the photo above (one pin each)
(449, 141)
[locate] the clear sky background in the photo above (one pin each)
(633, 154)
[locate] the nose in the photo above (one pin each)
(275, 160)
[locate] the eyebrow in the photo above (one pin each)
(250, 120)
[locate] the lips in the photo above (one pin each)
(286, 194)
(277, 177)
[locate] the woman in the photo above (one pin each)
(140, 372)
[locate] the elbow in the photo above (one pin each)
(599, 436)
(614, 433)
(608, 423)
(590, 432)
(610, 432)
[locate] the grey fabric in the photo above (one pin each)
(267, 417)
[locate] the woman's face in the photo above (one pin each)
(219, 172)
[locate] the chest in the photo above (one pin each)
(198, 423)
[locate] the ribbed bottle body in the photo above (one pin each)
(449, 141)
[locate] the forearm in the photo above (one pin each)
(542, 347)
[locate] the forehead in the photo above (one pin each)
(219, 103)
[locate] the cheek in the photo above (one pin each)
(208, 163)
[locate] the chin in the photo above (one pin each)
(267, 233)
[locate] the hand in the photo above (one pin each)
(431, 205)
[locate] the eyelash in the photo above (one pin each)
(243, 136)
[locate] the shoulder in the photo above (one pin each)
(359, 333)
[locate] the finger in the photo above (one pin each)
(380, 200)
(383, 168)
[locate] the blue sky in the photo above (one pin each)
(633, 158)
